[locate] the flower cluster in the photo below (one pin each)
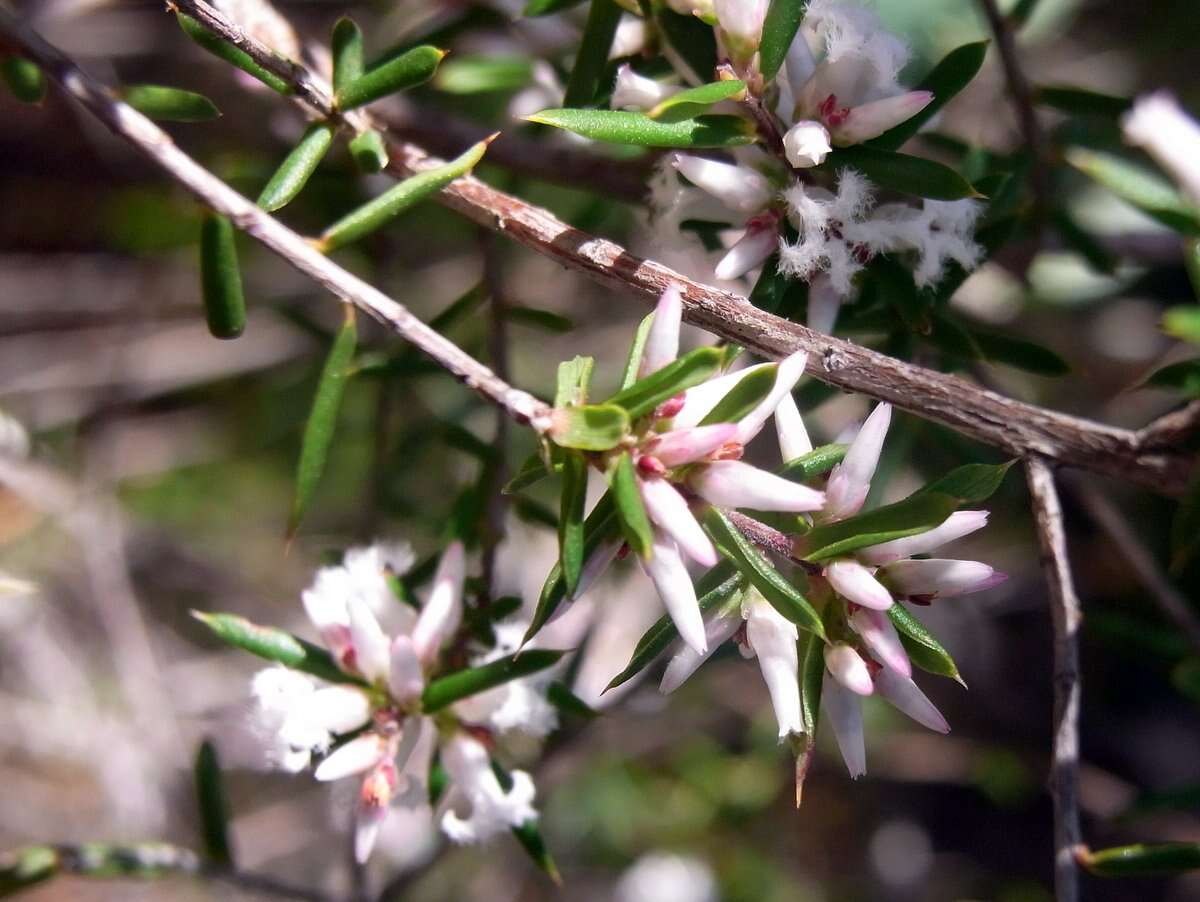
(838, 87)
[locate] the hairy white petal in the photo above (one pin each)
(340, 709)
(848, 668)
(662, 342)
(443, 611)
(492, 809)
(856, 583)
(844, 710)
(731, 483)
(881, 638)
(955, 526)
(670, 577)
(670, 513)
(902, 692)
(687, 660)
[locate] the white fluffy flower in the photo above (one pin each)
(476, 807)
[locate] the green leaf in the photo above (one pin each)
(693, 40)
(169, 104)
(584, 82)
(1019, 353)
(945, 81)
(901, 172)
(222, 49)
(923, 649)
(621, 127)
(275, 645)
(570, 518)
(1021, 12)
(917, 513)
(783, 596)
(533, 470)
(24, 79)
(779, 29)
(1183, 376)
(483, 74)
(743, 397)
(546, 7)
(1191, 262)
(369, 151)
(399, 198)
(814, 463)
(1140, 187)
(1083, 243)
(812, 674)
(646, 394)
(600, 527)
(1185, 529)
(407, 70)
(448, 689)
(296, 169)
(574, 380)
(1183, 322)
(346, 46)
(1141, 859)
(592, 427)
(221, 278)
(896, 287)
(636, 350)
(27, 866)
(530, 838)
(970, 483)
(1082, 102)
(692, 102)
(214, 809)
(322, 418)
(659, 637)
(568, 702)
(546, 320)
(635, 523)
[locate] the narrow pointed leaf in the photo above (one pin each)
(1183, 322)
(693, 102)
(782, 595)
(296, 169)
(568, 702)
(590, 61)
(574, 378)
(970, 483)
(275, 645)
(546, 320)
(623, 127)
(635, 523)
(570, 518)
(484, 74)
(955, 71)
(1019, 353)
(534, 469)
(1141, 859)
(213, 806)
(592, 427)
(369, 151)
(407, 70)
(634, 362)
(529, 835)
(779, 29)
(1082, 102)
(923, 648)
(322, 419)
(901, 172)
(743, 397)
(646, 394)
(1183, 376)
(812, 674)
(1138, 186)
(399, 198)
(222, 49)
(448, 689)
(24, 79)
(814, 463)
(346, 45)
(917, 513)
(169, 104)
(221, 278)
(692, 39)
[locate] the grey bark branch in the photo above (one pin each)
(1066, 617)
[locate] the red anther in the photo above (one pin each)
(728, 451)
(623, 552)
(482, 734)
(852, 608)
(670, 407)
(740, 636)
(862, 253)
(768, 219)
(873, 666)
(650, 465)
(379, 784)
(923, 600)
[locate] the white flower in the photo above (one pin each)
(843, 710)
(489, 808)
(881, 638)
(850, 481)
(740, 24)
(442, 613)
(637, 92)
(667, 877)
(806, 144)
(929, 579)
(738, 187)
(731, 483)
(789, 427)
(630, 37)
(1158, 124)
(296, 719)
(957, 525)
(847, 667)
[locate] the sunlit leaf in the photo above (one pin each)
(743, 397)
(570, 518)
(296, 169)
(407, 70)
(635, 522)
(1141, 859)
(221, 278)
(369, 151)
(169, 104)
(222, 49)
(622, 127)
(693, 102)
(591, 427)
(448, 689)
(917, 513)
(275, 645)
(1138, 186)
(779, 29)
(922, 647)
(646, 394)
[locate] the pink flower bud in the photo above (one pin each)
(789, 426)
(902, 692)
(370, 642)
(856, 583)
(687, 660)
(787, 374)
(880, 636)
(671, 514)
(806, 144)
(442, 613)
(738, 187)
(670, 577)
(356, 756)
(731, 483)
(848, 668)
(850, 480)
(756, 244)
(662, 342)
(685, 446)
(939, 578)
(870, 120)
(955, 526)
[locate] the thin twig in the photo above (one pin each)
(1065, 616)
(158, 146)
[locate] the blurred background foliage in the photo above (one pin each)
(105, 359)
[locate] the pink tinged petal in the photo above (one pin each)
(742, 19)
(880, 636)
(940, 578)
(687, 660)
(870, 120)
(848, 668)
(670, 577)
(662, 342)
(683, 446)
(738, 187)
(788, 373)
(370, 641)
(806, 144)
(731, 483)
(356, 756)
(443, 611)
(824, 304)
(405, 679)
(902, 692)
(670, 513)
(756, 244)
(699, 400)
(856, 583)
(844, 710)
(789, 426)
(773, 639)
(637, 92)
(851, 479)
(339, 709)
(367, 821)
(594, 567)
(955, 526)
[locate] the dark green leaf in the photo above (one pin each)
(570, 518)
(369, 151)
(322, 418)
(448, 689)
(646, 394)
(901, 172)
(947, 78)
(407, 70)
(814, 463)
(779, 29)
(970, 483)
(770, 583)
(169, 104)
(635, 523)
(743, 397)
(222, 49)
(621, 127)
(275, 645)
(1183, 376)
(533, 470)
(923, 649)
(546, 320)
(1140, 187)
(1082, 102)
(568, 702)
(346, 45)
(1185, 676)
(1140, 860)
(296, 169)
(592, 427)
(399, 198)
(1017, 352)
(636, 350)
(1185, 529)
(530, 838)
(915, 514)
(590, 61)
(692, 39)
(24, 78)
(812, 674)
(692, 102)
(214, 809)
(221, 278)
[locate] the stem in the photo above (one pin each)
(1065, 616)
